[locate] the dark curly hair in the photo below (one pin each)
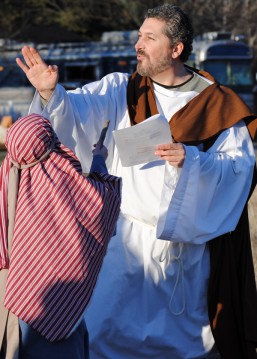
(178, 26)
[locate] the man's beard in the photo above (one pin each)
(152, 69)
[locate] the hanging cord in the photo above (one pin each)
(168, 253)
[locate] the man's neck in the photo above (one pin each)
(173, 76)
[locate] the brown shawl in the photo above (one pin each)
(204, 117)
(232, 298)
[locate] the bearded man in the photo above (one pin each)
(177, 280)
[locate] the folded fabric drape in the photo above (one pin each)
(63, 223)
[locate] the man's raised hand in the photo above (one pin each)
(42, 76)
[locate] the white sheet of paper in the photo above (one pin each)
(136, 144)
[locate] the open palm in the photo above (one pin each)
(42, 76)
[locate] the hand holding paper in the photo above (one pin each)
(137, 144)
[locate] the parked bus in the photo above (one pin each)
(79, 63)
(229, 61)
(84, 62)
(16, 93)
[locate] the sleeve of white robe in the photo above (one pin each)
(78, 116)
(211, 191)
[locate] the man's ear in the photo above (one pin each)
(177, 50)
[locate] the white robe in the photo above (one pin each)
(150, 299)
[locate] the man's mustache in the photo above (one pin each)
(141, 52)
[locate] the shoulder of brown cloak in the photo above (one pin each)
(202, 119)
(214, 110)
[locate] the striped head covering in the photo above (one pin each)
(62, 227)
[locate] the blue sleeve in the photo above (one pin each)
(98, 165)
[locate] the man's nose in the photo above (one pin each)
(138, 44)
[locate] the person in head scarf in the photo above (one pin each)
(54, 230)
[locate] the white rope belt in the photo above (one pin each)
(167, 253)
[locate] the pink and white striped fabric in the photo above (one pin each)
(63, 224)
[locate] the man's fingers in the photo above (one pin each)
(36, 57)
(173, 153)
(169, 146)
(27, 56)
(23, 66)
(31, 56)
(52, 68)
(170, 152)
(172, 158)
